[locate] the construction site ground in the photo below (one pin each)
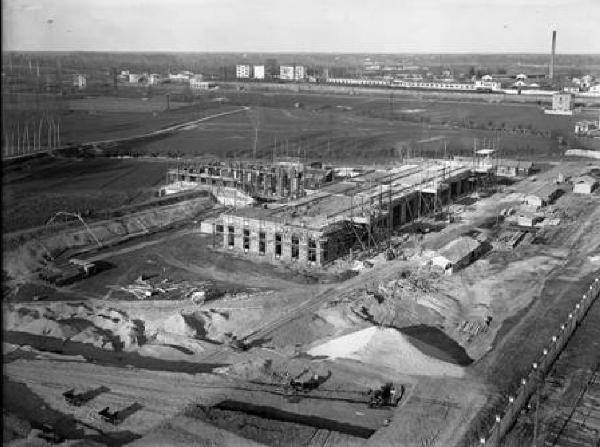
(158, 330)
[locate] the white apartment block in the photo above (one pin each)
(299, 72)
(286, 72)
(259, 72)
(242, 71)
(291, 72)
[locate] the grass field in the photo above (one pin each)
(126, 105)
(335, 134)
(33, 192)
(98, 118)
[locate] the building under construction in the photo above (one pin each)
(265, 181)
(363, 211)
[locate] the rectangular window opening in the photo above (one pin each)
(277, 245)
(295, 247)
(246, 240)
(262, 245)
(231, 237)
(312, 251)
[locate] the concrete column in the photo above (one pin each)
(239, 238)
(286, 247)
(254, 238)
(319, 259)
(303, 255)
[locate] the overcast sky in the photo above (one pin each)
(365, 26)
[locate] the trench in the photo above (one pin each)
(273, 426)
(106, 357)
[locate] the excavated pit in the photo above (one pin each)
(273, 426)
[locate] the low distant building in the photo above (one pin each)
(486, 78)
(562, 104)
(594, 89)
(587, 127)
(513, 168)
(259, 72)
(199, 84)
(528, 219)
(544, 196)
(457, 254)
(584, 184)
(182, 76)
(154, 78)
(242, 71)
(79, 81)
(134, 78)
(521, 77)
(586, 81)
(488, 84)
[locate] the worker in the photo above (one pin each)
(392, 394)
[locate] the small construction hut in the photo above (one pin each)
(457, 254)
(584, 184)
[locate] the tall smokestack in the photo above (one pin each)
(553, 53)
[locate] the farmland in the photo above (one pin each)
(36, 190)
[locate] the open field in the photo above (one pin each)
(34, 191)
(102, 117)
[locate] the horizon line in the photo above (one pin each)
(449, 53)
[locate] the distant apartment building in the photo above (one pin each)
(242, 71)
(292, 72)
(79, 81)
(286, 72)
(259, 72)
(299, 72)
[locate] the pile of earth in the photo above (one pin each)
(385, 349)
(28, 255)
(115, 329)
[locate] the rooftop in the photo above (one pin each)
(458, 249)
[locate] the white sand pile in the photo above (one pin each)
(385, 348)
